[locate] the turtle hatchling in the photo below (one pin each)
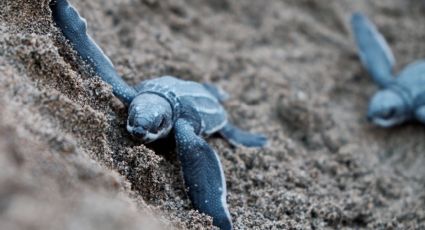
(164, 106)
(400, 98)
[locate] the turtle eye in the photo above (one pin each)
(389, 114)
(162, 123)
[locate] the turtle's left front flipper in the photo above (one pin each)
(374, 52)
(74, 28)
(203, 174)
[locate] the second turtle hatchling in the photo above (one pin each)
(400, 98)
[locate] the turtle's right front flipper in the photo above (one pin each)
(74, 28)
(203, 174)
(374, 51)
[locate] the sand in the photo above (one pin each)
(291, 68)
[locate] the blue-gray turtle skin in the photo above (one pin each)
(400, 98)
(166, 105)
(174, 99)
(184, 95)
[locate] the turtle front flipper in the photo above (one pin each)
(203, 174)
(237, 137)
(374, 52)
(74, 28)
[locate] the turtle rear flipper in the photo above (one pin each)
(239, 137)
(374, 52)
(217, 92)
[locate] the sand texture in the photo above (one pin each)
(67, 161)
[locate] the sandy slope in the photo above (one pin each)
(293, 74)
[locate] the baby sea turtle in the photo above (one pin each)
(167, 105)
(399, 99)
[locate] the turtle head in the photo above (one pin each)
(387, 108)
(150, 117)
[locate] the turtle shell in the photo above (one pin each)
(188, 94)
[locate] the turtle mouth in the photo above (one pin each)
(143, 135)
(138, 132)
(386, 123)
(150, 137)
